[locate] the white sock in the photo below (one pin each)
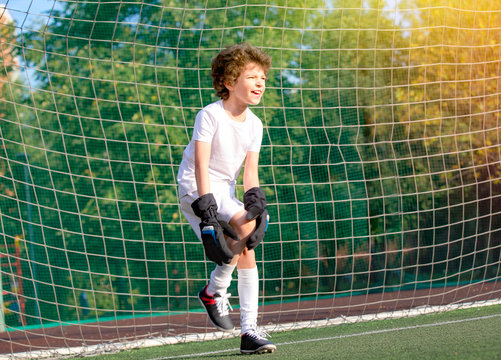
(220, 279)
(248, 294)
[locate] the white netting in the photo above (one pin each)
(380, 161)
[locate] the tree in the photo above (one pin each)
(445, 136)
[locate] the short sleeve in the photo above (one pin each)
(204, 128)
(255, 145)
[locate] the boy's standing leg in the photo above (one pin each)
(214, 296)
(253, 341)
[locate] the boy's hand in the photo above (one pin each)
(214, 242)
(254, 202)
(213, 230)
(261, 226)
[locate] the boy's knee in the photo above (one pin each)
(247, 259)
(247, 229)
(247, 253)
(242, 226)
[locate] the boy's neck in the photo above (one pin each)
(235, 111)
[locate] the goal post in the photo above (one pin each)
(380, 161)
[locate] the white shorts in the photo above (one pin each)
(227, 204)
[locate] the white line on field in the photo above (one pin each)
(340, 336)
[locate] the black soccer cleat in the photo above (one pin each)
(217, 308)
(255, 342)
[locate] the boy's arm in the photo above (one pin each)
(202, 157)
(212, 229)
(251, 177)
(254, 198)
(254, 201)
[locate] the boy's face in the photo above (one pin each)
(250, 85)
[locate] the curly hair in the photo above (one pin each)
(230, 62)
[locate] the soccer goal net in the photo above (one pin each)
(381, 162)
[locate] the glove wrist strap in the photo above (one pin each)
(210, 212)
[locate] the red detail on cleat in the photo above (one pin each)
(209, 300)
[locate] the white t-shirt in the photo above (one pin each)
(230, 141)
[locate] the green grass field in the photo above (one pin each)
(461, 334)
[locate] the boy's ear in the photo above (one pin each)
(229, 85)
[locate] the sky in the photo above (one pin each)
(25, 12)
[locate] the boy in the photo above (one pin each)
(226, 135)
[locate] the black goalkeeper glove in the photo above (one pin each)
(254, 202)
(213, 230)
(261, 226)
